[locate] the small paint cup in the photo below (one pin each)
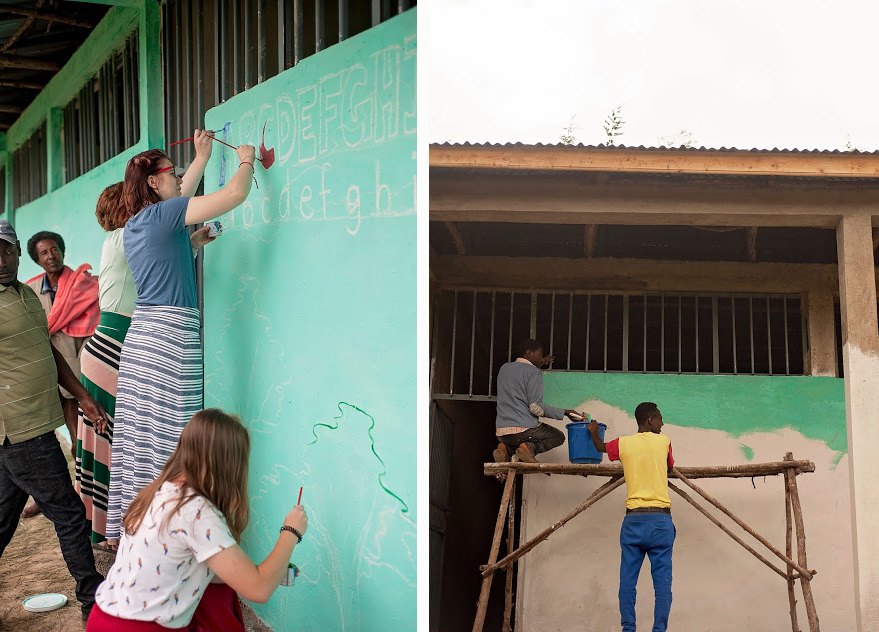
(215, 228)
(290, 576)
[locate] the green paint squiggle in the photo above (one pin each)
(371, 442)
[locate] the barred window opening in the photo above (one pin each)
(213, 50)
(103, 119)
(477, 330)
(29, 169)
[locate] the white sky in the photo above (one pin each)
(767, 73)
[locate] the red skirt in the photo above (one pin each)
(218, 611)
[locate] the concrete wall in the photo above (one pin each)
(570, 581)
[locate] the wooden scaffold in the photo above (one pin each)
(788, 468)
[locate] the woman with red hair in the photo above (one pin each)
(160, 371)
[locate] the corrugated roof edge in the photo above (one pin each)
(661, 148)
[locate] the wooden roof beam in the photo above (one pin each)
(21, 84)
(45, 15)
(456, 236)
(16, 61)
(697, 162)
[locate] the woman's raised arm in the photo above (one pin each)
(203, 146)
(204, 208)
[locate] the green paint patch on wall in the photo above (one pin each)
(310, 325)
(747, 452)
(736, 404)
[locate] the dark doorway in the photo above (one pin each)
(470, 517)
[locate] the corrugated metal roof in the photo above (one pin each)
(774, 150)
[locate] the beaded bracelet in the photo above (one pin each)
(244, 162)
(293, 531)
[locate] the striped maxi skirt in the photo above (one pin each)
(100, 372)
(160, 389)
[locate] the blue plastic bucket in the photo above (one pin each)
(580, 448)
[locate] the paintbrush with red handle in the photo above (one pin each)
(210, 131)
(267, 156)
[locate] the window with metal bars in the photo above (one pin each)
(215, 49)
(477, 330)
(29, 169)
(103, 119)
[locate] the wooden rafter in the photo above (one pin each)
(11, 109)
(16, 61)
(752, 244)
(21, 30)
(456, 236)
(590, 236)
(616, 159)
(45, 15)
(21, 84)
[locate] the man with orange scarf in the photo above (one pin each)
(70, 298)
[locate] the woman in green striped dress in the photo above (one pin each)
(100, 361)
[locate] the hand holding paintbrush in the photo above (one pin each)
(267, 156)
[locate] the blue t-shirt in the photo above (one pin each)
(159, 254)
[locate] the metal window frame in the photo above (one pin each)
(701, 301)
(30, 168)
(103, 119)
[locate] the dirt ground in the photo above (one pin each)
(32, 564)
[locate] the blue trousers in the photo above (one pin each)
(651, 534)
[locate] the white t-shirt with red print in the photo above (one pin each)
(160, 574)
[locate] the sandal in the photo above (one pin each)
(105, 547)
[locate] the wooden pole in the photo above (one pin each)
(789, 527)
(723, 528)
(741, 523)
(805, 584)
(482, 604)
(597, 495)
(511, 535)
(747, 470)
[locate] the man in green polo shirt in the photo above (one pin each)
(31, 460)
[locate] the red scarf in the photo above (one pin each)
(75, 310)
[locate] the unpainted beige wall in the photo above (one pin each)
(569, 583)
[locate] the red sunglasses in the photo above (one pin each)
(171, 168)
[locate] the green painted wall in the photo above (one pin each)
(310, 325)
(737, 405)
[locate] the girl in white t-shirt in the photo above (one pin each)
(185, 528)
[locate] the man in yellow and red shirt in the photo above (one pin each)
(647, 528)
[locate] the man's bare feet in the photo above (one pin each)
(31, 510)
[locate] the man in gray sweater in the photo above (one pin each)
(520, 405)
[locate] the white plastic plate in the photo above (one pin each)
(44, 602)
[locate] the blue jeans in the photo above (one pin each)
(37, 468)
(652, 534)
